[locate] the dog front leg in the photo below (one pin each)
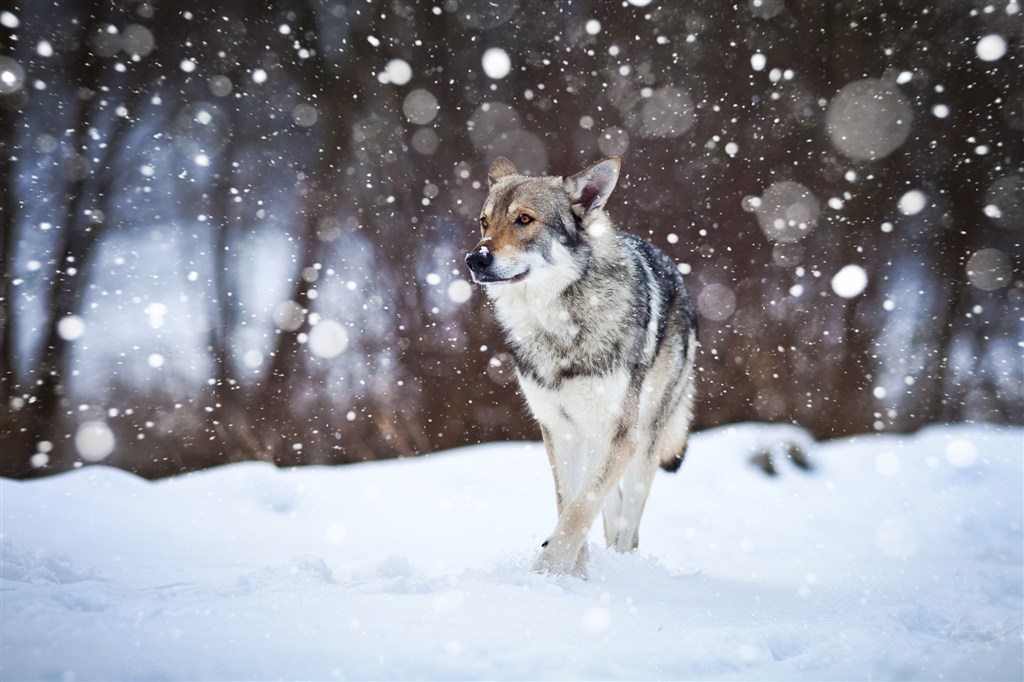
(563, 464)
(557, 468)
(562, 552)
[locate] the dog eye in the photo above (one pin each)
(483, 222)
(524, 219)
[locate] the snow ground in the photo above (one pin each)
(897, 558)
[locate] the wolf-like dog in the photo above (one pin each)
(603, 336)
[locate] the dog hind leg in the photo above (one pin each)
(612, 516)
(636, 486)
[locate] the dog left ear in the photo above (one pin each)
(590, 188)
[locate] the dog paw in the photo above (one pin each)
(557, 559)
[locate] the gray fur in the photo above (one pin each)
(603, 335)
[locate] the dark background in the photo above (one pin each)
(191, 190)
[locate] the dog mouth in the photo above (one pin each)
(487, 279)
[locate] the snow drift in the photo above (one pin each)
(896, 557)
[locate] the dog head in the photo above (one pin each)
(539, 228)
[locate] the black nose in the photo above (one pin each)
(479, 259)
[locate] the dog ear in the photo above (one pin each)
(591, 187)
(500, 168)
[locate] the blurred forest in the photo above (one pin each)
(235, 230)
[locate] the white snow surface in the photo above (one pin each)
(897, 557)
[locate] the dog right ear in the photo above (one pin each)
(501, 168)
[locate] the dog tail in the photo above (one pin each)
(673, 464)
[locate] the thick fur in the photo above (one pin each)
(603, 334)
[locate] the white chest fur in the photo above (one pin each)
(581, 408)
(533, 310)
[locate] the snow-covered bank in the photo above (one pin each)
(897, 557)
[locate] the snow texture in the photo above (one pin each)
(893, 558)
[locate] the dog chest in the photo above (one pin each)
(564, 337)
(582, 407)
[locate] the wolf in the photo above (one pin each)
(602, 333)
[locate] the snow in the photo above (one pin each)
(396, 72)
(668, 112)
(868, 119)
(896, 557)
(1003, 204)
(94, 441)
(420, 107)
(137, 41)
(460, 291)
(989, 269)
(328, 339)
(613, 141)
(305, 114)
(496, 63)
(716, 302)
(12, 76)
(787, 211)
(913, 202)
(991, 47)
(71, 327)
(850, 281)
(288, 315)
